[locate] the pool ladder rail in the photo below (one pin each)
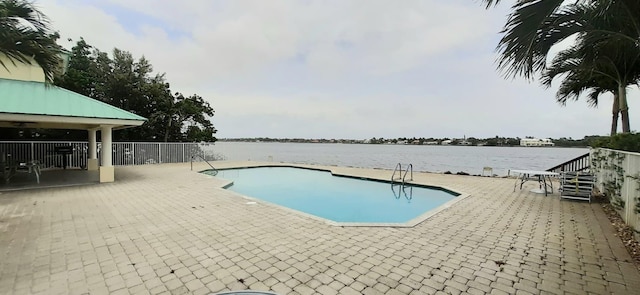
(402, 174)
(215, 171)
(401, 180)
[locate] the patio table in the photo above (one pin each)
(543, 178)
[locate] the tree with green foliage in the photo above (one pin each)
(80, 76)
(186, 119)
(625, 142)
(25, 37)
(129, 84)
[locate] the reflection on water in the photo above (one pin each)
(399, 190)
(470, 159)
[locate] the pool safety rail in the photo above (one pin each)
(214, 170)
(402, 174)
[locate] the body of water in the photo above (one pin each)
(470, 159)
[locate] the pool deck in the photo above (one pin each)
(163, 229)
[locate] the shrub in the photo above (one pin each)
(623, 141)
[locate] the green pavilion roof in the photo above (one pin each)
(35, 98)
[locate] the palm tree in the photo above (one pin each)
(604, 61)
(25, 36)
(578, 78)
(535, 26)
(615, 55)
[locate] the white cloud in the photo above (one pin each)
(333, 68)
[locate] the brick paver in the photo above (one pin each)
(162, 229)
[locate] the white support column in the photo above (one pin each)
(92, 160)
(106, 170)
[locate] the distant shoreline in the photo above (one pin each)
(408, 144)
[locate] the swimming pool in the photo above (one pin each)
(338, 199)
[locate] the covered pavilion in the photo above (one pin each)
(27, 102)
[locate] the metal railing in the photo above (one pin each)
(580, 163)
(409, 170)
(43, 151)
(397, 169)
(215, 171)
(402, 174)
(124, 153)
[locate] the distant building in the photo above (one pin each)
(446, 142)
(536, 142)
(464, 141)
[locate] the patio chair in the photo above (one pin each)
(577, 185)
(7, 167)
(31, 167)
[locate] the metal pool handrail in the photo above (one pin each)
(409, 168)
(402, 176)
(215, 171)
(397, 169)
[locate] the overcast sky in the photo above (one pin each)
(335, 69)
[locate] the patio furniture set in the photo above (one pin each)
(574, 185)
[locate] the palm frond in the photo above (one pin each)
(527, 35)
(594, 94)
(22, 45)
(12, 11)
(594, 64)
(535, 26)
(26, 43)
(490, 3)
(565, 61)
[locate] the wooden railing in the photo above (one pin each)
(580, 163)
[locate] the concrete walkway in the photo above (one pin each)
(162, 229)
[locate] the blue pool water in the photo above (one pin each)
(340, 199)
